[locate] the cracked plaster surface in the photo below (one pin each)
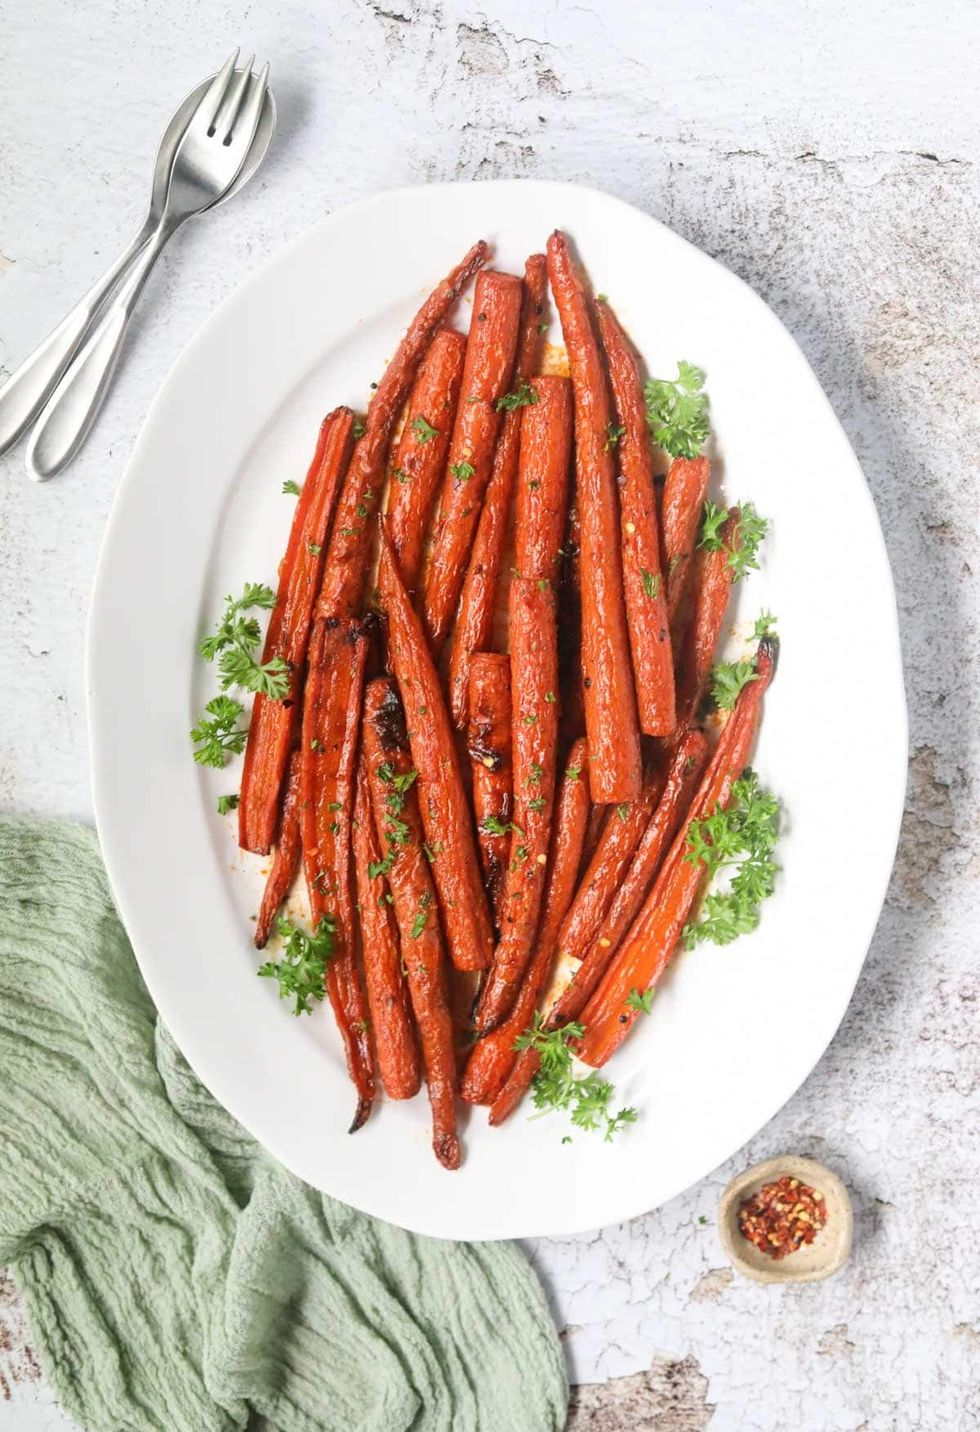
(829, 158)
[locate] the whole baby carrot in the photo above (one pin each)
(487, 372)
(392, 779)
(331, 725)
(646, 599)
(478, 600)
(419, 457)
(612, 724)
(711, 588)
(272, 728)
(442, 797)
(542, 498)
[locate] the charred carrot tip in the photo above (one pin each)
(360, 1114)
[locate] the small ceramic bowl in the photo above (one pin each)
(828, 1252)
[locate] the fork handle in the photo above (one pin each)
(73, 407)
(27, 389)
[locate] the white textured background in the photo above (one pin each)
(828, 154)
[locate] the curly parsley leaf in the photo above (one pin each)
(523, 396)
(739, 842)
(765, 625)
(751, 532)
(423, 430)
(302, 964)
(712, 521)
(677, 411)
(556, 1085)
(220, 737)
(234, 641)
(291, 488)
(640, 1000)
(226, 804)
(462, 471)
(727, 681)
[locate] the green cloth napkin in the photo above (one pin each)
(176, 1277)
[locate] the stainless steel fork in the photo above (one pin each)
(207, 162)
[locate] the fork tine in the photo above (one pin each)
(211, 103)
(221, 125)
(247, 121)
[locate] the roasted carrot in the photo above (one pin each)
(542, 496)
(442, 797)
(614, 851)
(488, 741)
(419, 458)
(478, 599)
(686, 766)
(331, 721)
(395, 1045)
(493, 1056)
(273, 724)
(646, 599)
(687, 763)
(490, 351)
(396, 812)
(712, 585)
(681, 508)
(612, 724)
(287, 857)
(653, 936)
(350, 539)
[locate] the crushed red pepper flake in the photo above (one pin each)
(782, 1217)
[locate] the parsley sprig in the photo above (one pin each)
(556, 1085)
(523, 396)
(727, 681)
(302, 964)
(677, 411)
(218, 738)
(752, 530)
(740, 842)
(234, 641)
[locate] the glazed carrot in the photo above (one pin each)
(487, 372)
(494, 1055)
(712, 585)
(687, 764)
(681, 509)
(442, 797)
(653, 936)
(488, 741)
(419, 458)
(612, 725)
(285, 861)
(646, 600)
(273, 725)
(395, 1044)
(350, 539)
(614, 851)
(331, 720)
(396, 814)
(542, 495)
(478, 599)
